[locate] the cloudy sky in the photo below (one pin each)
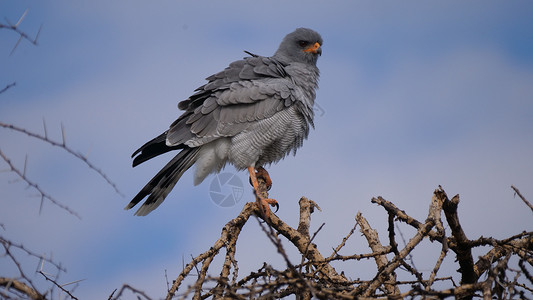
(412, 95)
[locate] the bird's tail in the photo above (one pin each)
(163, 182)
(153, 148)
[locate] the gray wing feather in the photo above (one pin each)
(247, 91)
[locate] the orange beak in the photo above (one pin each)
(313, 48)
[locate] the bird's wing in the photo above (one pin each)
(247, 91)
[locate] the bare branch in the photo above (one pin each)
(22, 35)
(316, 278)
(58, 285)
(371, 235)
(43, 195)
(21, 287)
(518, 246)
(306, 209)
(402, 216)
(374, 284)
(463, 249)
(443, 253)
(7, 244)
(7, 87)
(229, 229)
(343, 242)
(132, 289)
(23, 283)
(63, 146)
(517, 192)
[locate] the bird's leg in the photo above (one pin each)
(261, 201)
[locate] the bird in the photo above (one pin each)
(252, 114)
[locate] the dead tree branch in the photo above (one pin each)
(59, 286)
(517, 192)
(22, 35)
(23, 285)
(20, 288)
(463, 250)
(140, 294)
(372, 238)
(62, 145)
(44, 196)
(315, 277)
(7, 87)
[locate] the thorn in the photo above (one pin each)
(41, 206)
(37, 35)
(16, 45)
(63, 134)
(86, 156)
(25, 164)
(45, 131)
(72, 282)
(42, 264)
(22, 17)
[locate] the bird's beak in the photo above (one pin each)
(315, 48)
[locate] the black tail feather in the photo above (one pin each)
(153, 148)
(163, 182)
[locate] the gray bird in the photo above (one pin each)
(254, 113)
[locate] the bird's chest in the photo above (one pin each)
(270, 139)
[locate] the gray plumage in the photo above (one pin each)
(253, 113)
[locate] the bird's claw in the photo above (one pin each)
(264, 205)
(268, 186)
(276, 205)
(262, 202)
(261, 173)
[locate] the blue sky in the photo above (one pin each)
(414, 95)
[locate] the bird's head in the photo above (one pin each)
(302, 45)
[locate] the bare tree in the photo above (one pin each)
(504, 271)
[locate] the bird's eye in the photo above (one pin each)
(303, 43)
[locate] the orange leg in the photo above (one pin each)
(262, 202)
(262, 173)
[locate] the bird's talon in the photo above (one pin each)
(264, 205)
(263, 174)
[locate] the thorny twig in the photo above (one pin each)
(44, 196)
(62, 145)
(22, 35)
(517, 192)
(140, 294)
(60, 286)
(23, 284)
(7, 87)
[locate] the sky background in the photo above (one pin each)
(412, 95)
